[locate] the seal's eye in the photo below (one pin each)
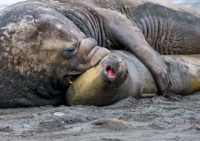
(70, 51)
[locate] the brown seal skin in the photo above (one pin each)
(120, 75)
(43, 44)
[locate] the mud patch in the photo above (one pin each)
(153, 119)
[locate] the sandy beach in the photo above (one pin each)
(154, 119)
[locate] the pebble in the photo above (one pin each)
(59, 114)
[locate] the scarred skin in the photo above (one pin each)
(43, 44)
(120, 75)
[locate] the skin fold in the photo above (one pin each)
(129, 77)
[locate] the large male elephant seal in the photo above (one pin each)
(45, 43)
(120, 75)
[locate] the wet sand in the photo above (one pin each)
(154, 119)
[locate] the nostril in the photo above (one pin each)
(111, 72)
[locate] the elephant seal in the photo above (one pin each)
(142, 27)
(120, 75)
(44, 43)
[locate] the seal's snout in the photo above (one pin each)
(114, 68)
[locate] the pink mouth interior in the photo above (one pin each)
(111, 73)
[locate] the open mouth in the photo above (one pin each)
(111, 73)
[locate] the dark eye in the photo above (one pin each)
(70, 51)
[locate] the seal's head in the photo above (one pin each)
(99, 85)
(72, 52)
(73, 61)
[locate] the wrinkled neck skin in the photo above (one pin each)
(184, 74)
(85, 18)
(167, 28)
(91, 17)
(168, 31)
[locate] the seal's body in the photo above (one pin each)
(120, 75)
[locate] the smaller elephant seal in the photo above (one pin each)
(120, 75)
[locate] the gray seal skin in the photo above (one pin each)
(43, 44)
(120, 75)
